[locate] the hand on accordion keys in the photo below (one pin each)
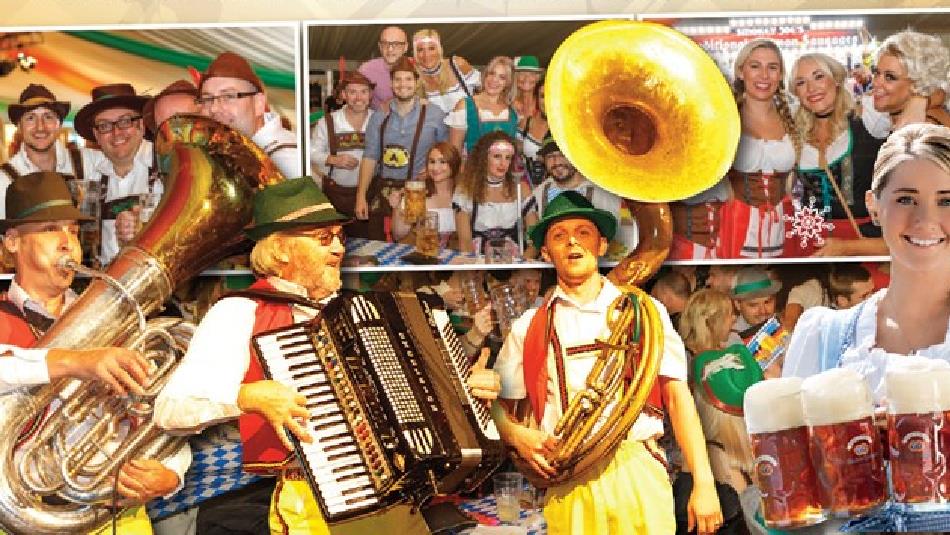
(281, 405)
(485, 384)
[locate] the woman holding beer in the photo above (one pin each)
(442, 166)
(488, 201)
(910, 201)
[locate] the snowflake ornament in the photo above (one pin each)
(808, 223)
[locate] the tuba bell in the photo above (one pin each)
(53, 481)
(643, 112)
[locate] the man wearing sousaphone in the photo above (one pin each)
(41, 228)
(545, 361)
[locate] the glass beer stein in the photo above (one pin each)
(845, 445)
(917, 392)
(791, 495)
(414, 201)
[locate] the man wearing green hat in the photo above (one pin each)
(545, 361)
(297, 257)
(562, 176)
(754, 298)
(41, 229)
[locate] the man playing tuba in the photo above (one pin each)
(41, 228)
(627, 491)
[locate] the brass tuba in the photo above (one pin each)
(643, 112)
(49, 484)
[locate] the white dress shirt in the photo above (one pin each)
(577, 325)
(204, 388)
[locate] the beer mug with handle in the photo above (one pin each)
(791, 496)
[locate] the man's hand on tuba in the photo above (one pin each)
(122, 370)
(535, 447)
(141, 480)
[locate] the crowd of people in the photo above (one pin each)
(468, 136)
(810, 135)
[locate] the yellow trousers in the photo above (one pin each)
(294, 511)
(626, 493)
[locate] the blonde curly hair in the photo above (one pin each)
(925, 57)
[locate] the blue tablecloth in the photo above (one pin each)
(390, 254)
(485, 511)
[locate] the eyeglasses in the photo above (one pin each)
(323, 235)
(122, 123)
(392, 44)
(226, 98)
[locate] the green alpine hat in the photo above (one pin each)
(548, 145)
(754, 282)
(725, 375)
(572, 204)
(527, 63)
(39, 197)
(290, 204)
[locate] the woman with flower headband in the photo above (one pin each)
(838, 153)
(444, 80)
(488, 200)
(487, 111)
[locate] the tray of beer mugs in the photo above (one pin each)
(823, 448)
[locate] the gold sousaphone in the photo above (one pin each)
(644, 112)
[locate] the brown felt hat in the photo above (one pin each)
(178, 87)
(231, 65)
(38, 197)
(107, 97)
(354, 77)
(36, 96)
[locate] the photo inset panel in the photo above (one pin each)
(88, 103)
(814, 115)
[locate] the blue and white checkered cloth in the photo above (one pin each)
(390, 254)
(487, 507)
(895, 517)
(216, 468)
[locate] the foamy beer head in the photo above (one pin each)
(773, 405)
(917, 385)
(837, 395)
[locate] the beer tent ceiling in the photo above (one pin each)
(71, 63)
(479, 41)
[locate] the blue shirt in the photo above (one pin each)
(392, 152)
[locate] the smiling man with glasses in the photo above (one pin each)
(393, 44)
(113, 121)
(231, 93)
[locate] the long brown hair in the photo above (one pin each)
(472, 181)
(452, 157)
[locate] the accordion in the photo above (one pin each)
(391, 414)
